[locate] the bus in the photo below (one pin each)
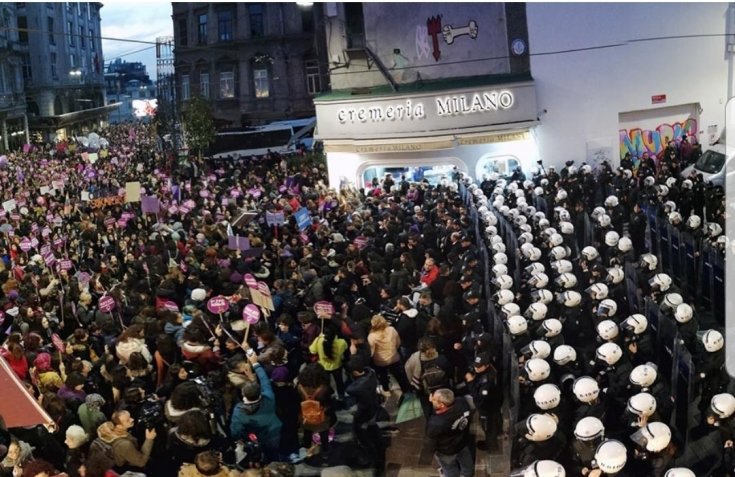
(281, 137)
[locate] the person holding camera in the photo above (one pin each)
(123, 446)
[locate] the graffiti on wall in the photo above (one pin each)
(637, 141)
(423, 46)
(448, 33)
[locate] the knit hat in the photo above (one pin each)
(94, 401)
(198, 294)
(75, 436)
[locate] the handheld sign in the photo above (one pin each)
(171, 306)
(250, 281)
(218, 305)
(251, 314)
(106, 304)
(323, 309)
(66, 265)
(25, 245)
(58, 343)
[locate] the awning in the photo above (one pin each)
(17, 406)
(62, 120)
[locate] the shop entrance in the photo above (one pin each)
(414, 170)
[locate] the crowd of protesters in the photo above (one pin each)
(150, 379)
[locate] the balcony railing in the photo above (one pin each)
(9, 100)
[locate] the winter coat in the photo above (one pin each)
(90, 419)
(125, 450)
(339, 346)
(132, 345)
(384, 346)
(190, 470)
(263, 422)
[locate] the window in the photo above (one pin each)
(227, 84)
(355, 23)
(51, 36)
(70, 28)
(202, 28)
(82, 40)
(183, 33)
(260, 79)
(185, 87)
(23, 30)
(313, 77)
(307, 19)
(84, 10)
(73, 60)
(204, 84)
(53, 66)
(27, 72)
(224, 25)
(92, 39)
(257, 28)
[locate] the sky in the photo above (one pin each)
(137, 21)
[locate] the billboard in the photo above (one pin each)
(143, 108)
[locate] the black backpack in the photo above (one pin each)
(433, 377)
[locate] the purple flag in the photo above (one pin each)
(150, 204)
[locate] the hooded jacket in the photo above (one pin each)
(261, 421)
(125, 449)
(133, 345)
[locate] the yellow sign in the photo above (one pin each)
(391, 147)
(493, 138)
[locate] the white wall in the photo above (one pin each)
(584, 92)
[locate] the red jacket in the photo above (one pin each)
(428, 277)
(19, 366)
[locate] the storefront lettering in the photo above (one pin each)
(458, 105)
(461, 105)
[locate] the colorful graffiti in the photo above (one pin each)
(637, 141)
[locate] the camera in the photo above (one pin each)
(151, 413)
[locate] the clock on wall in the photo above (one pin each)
(518, 47)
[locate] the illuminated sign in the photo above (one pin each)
(455, 105)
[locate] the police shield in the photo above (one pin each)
(689, 263)
(676, 254)
(664, 247)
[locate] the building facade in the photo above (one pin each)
(13, 119)
(128, 84)
(62, 67)
(255, 62)
(442, 85)
(624, 78)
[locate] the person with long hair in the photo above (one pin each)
(330, 349)
(384, 345)
(314, 384)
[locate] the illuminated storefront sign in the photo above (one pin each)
(454, 105)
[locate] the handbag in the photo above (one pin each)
(410, 409)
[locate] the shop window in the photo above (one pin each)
(503, 165)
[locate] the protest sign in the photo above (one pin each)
(132, 192)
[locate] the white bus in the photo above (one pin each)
(280, 137)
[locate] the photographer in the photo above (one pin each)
(124, 447)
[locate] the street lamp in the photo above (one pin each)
(75, 73)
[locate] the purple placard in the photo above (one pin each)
(34, 228)
(58, 242)
(172, 210)
(250, 281)
(83, 277)
(49, 258)
(46, 248)
(361, 242)
(171, 306)
(235, 242)
(109, 221)
(251, 314)
(106, 304)
(15, 217)
(45, 232)
(323, 308)
(66, 264)
(34, 242)
(218, 304)
(150, 204)
(25, 245)
(122, 223)
(263, 289)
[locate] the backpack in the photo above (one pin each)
(433, 376)
(100, 447)
(312, 412)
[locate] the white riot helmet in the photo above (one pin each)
(714, 229)
(674, 218)
(712, 341)
(663, 191)
(503, 297)
(555, 240)
(607, 330)
(687, 184)
(482, 209)
(510, 309)
(590, 253)
(562, 266)
(548, 232)
(585, 389)
(604, 220)
(526, 249)
(642, 404)
(597, 212)
(564, 215)
(643, 375)
(588, 429)
(561, 195)
(597, 291)
(654, 437)
(547, 396)
(612, 238)
(517, 325)
(636, 323)
(670, 182)
(679, 471)
(540, 468)
(564, 354)
(520, 220)
(499, 270)
(504, 282)
(611, 456)
(500, 258)
(684, 313)
(607, 308)
(650, 261)
(625, 244)
(491, 231)
(558, 253)
(542, 296)
(526, 229)
(615, 275)
(538, 280)
(566, 280)
(538, 191)
(566, 228)
(570, 299)
(694, 221)
(499, 247)
(661, 280)
(537, 349)
(534, 268)
(671, 301)
(723, 405)
(552, 327)
(537, 369)
(496, 239)
(611, 201)
(609, 353)
(536, 311)
(649, 181)
(540, 427)
(525, 237)
(585, 169)
(534, 254)
(543, 223)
